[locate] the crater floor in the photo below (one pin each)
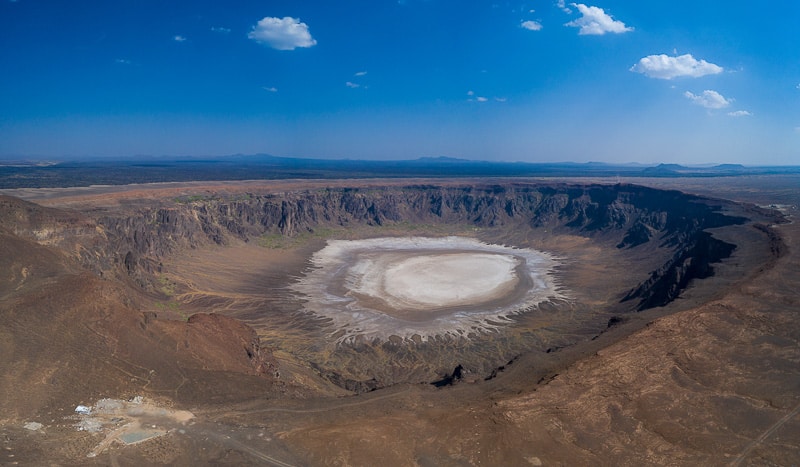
(407, 286)
(433, 281)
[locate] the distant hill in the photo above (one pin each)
(154, 169)
(442, 160)
(661, 169)
(730, 168)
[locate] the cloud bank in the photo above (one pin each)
(595, 21)
(666, 67)
(282, 33)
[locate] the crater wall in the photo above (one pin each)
(624, 217)
(666, 237)
(663, 239)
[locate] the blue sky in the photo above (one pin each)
(618, 81)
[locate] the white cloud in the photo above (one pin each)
(360, 73)
(221, 30)
(532, 25)
(563, 5)
(352, 85)
(595, 21)
(740, 113)
(179, 38)
(270, 88)
(798, 86)
(282, 34)
(123, 61)
(709, 99)
(475, 98)
(666, 67)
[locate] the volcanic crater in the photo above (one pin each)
(387, 282)
(250, 301)
(450, 322)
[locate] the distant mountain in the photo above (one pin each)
(152, 169)
(443, 160)
(662, 168)
(730, 167)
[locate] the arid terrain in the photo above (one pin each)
(178, 319)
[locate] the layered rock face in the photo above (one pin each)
(622, 216)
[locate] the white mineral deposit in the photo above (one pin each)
(424, 286)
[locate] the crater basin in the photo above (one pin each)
(423, 286)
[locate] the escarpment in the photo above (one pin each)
(643, 221)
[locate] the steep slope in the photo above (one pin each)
(69, 336)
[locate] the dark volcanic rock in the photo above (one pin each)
(452, 378)
(624, 216)
(350, 384)
(693, 261)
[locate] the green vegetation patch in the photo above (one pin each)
(172, 307)
(165, 286)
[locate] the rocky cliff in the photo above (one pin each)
(622, 216)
